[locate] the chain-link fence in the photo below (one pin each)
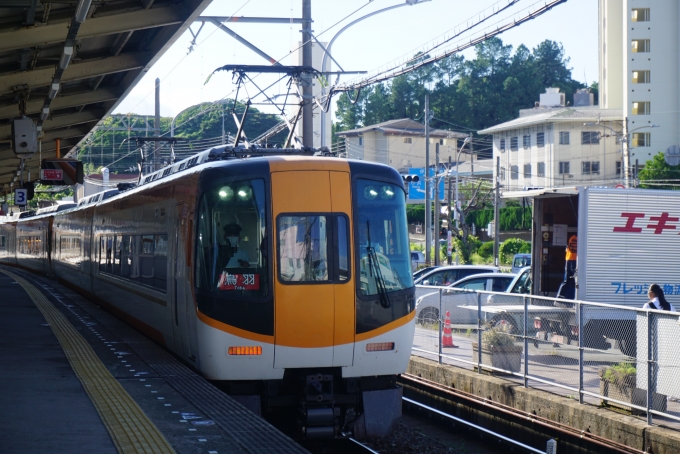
(597, 353)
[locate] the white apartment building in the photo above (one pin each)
(400, 144)
(639, 43)
(549, 146)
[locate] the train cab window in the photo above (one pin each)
(303, 248)
(343, 255)
(231, 245)
(382, 240)
(2, 243)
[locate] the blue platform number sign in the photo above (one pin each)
(20, 196)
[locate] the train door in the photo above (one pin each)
(314, 298)
(181, 303)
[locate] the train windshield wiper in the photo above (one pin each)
(379, 280)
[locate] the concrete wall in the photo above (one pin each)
(624, 429)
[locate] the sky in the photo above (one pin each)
(368, 45)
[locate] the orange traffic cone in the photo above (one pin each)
(447, 339)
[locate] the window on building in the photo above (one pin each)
(442, 141)
(408, 139)
(540, 139)
(642, 139)
(514, 172)
(514, 144)
(618, 168)
(590, 167)
(564, 167)
(642, 108)
(527, 170)
(361, 140)
(564, 138)
(502, 173)
(526, 142)
(541, 169)
(640, 15)
(641, 77)
(640, 45)
(502, 146)
(590, 137)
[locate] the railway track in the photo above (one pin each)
(572, 438)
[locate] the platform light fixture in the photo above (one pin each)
(81, 10)
(45, 113)
(66, 54)
(54, 89)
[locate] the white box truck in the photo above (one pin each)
(628, 239)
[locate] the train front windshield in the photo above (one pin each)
(231, 240)
(383, 244)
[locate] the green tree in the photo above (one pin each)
(657, 174)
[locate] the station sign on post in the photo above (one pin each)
(20, 197)
(61, 172)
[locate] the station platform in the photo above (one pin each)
(73, 378)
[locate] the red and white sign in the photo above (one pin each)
(51, 174)
(239, 281)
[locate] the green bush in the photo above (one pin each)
(485, 250)
(510, 247)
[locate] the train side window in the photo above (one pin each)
(160, 261)
(2, 242)
(304, 237)
(116, 255)
(125, 256)
(343, 253)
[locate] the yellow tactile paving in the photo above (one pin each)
(128, 425)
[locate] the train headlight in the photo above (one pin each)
(245, 193)
(243, 351)
(370, 192)
(226, 193)
(386, 192)
(380, 347)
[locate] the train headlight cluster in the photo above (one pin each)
(386, 192)
(245, 193)
(241, 351)
(226, 193)
(370, 192)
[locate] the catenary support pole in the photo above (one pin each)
(157, 127)
(450, 211)
(436, 206)
(496, 215)
(428, 234)
(307, 93)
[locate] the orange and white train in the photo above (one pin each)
(285, 278)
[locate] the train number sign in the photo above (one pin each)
(239, 281)
(52, 174)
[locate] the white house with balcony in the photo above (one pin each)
(399, 143)
(550, 146)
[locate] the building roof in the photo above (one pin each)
(403, 126)
(556, 115)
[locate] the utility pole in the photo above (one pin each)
(428, 234)
(307, 93)
(450, 211)
(626, 156)
(496, 214)
(436, 205)
(157, 126)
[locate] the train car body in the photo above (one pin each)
(285, 279)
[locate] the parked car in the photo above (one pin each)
(423, 271)
(462, 293)
(447, 275)
(417, 259)
(519, 261)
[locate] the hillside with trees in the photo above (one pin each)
(465, 94)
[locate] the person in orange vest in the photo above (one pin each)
(570, 258)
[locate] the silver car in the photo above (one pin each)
(460, 293)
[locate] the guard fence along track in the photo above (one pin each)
(563, 431)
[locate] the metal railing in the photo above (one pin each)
(593, 352)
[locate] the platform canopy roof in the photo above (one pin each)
(116, 43)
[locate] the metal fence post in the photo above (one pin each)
(440, 326)
(579, 315)
(526, 341)
(479, 333)
(650, 354)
